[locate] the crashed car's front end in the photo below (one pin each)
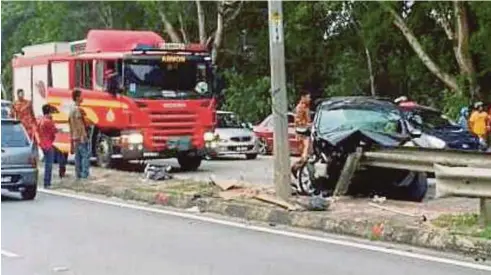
(342, 125)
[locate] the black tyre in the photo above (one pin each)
(304, 181)
(29, 193)
(418, 188)
(189, 163)
(251, 156)
(104, 151)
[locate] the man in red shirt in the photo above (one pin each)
(47, 134)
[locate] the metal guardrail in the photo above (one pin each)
(458, 173)
(423, 159)
(463, 181)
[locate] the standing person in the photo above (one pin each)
(302, 119)
(22, 111)
(79, 137)
(463, 118)
(478, 123)
(47, 134)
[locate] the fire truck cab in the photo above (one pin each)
(147, 99)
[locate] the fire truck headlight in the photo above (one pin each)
(208, 136)
(135, 138)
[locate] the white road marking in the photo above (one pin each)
(374, 248)
(9, 254)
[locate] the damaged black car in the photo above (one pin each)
(343, 124)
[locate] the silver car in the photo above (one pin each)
(233, 137)
(19, 160)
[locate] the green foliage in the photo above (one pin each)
(325, 44)
(249, 98)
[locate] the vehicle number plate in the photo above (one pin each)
(241, 149)
(179, 143)
(6, 179)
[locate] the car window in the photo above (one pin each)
(13, 135)
(228, 120)
(427, 119)
(365, 119)
(5, 112)
(291, 119)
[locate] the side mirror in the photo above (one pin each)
(415, 133)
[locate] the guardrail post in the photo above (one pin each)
(485, 212)
(350, 167)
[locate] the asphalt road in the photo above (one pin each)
(258, 170)
(57, 235)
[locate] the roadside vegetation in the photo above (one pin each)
(434, 52)
(464, 224)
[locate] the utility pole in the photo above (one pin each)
(281, 150)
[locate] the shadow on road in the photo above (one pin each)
(10, 197)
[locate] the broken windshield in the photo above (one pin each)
(363, 119)
(155, 79)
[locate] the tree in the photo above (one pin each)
(458, 35)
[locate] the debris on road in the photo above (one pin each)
(422, 217)
(315, 203)
(157, 172)
(235, 190)
(377, 199)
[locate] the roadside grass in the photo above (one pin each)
(181, 187)
(464, 224)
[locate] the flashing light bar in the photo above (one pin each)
(172, 46)
(78, 46)
(181, 47)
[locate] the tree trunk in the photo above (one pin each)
(463, 55)
(183, 30)
(370, 71)
(169, 29)
(201, 23)
(217, 41)
(449, 80)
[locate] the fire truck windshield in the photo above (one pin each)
(155, 79)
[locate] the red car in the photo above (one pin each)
(264, 132)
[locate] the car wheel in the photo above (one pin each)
(29, 193)
(262, 147)
(104, 152)
(418, 188)
(251, 156)
(189, 163)
(304, 182)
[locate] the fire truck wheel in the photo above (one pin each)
(189, 163)
(103, 152)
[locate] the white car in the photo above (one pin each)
(233, 137)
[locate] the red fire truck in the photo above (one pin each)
(164, 106)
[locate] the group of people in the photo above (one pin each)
(43, 132)
(478, 122)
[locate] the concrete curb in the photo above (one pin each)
(417, 235)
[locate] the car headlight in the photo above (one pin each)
(208, 136)
(135, 138)
(223, 140)
(436, 142)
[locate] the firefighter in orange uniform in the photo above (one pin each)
(22, 111)
(302, 120)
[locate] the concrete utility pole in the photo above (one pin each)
(281, 149)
